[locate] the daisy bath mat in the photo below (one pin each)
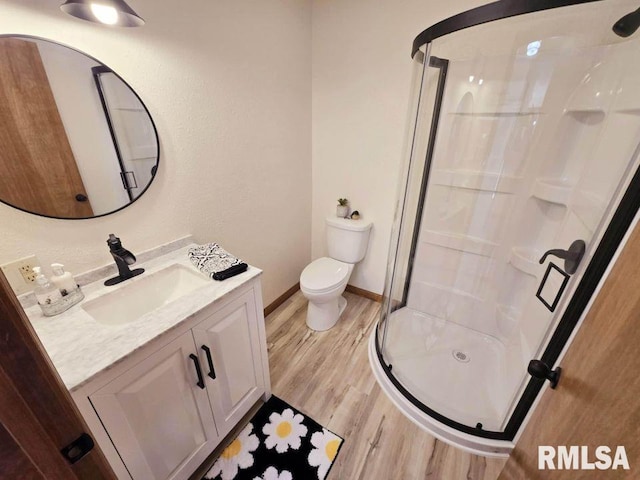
(279, 443)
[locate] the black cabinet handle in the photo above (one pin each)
(81, 197)
(196, 362)
(212, 371)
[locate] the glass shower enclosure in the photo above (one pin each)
(520, 182)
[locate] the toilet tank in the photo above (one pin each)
(347, 240)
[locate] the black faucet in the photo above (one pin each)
(123, 258)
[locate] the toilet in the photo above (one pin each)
(323, 281)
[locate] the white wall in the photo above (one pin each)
(228, 85)
(361, 77)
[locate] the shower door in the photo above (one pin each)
(520, 184)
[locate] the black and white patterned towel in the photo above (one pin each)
(216, 262)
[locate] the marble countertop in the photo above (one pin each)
(80, 347)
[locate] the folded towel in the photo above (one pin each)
(216, 262)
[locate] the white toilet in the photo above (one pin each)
(323, 280)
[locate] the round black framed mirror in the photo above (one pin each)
(76, 141)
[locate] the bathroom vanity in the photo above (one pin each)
(162, 366)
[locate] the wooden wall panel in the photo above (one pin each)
(14, 463)
(35, 406)
(597, 401)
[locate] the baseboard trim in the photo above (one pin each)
(350, 288)
(281, 299)
(364, 293)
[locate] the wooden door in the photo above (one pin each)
(231, 335)
(159, 420)
(597, 401)
(37, 415)
(38, 170)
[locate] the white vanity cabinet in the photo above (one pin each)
(155, 417)
(229, 348)
(159, 422)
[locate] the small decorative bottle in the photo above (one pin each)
(71, 293)
(63, 280)
(47, 294)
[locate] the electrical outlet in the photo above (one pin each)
(26, 270)
(20, 274)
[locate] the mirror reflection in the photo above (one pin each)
(76, 140)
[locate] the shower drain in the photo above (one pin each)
(461, 356)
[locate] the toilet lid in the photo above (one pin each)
(324, 273)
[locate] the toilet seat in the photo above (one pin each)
(324, 274)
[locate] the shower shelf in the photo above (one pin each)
(476, 180)
(628, 111)
(459, 242)
(588, 208)
(587, 110)
(497, 114)
(525, 260)
(553, 190)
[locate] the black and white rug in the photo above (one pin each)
(279, 443)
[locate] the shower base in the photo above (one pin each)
(452, 370)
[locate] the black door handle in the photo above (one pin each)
(196, 362)
(78, 448)
(212, 371)
(541, 370)
(571, 257)
(81, 197)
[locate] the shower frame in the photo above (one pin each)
(622, 219)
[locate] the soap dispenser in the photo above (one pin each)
(63, 280)
(70, 290)
(46, 293)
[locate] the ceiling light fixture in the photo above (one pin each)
(107, 12)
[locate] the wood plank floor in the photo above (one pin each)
(327, 376)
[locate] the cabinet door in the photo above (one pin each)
(159, 420)
(231, 337)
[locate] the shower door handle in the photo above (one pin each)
(541, 370)
(571, 256)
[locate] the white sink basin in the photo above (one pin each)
(144, 294)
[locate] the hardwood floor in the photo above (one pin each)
(327, 376)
